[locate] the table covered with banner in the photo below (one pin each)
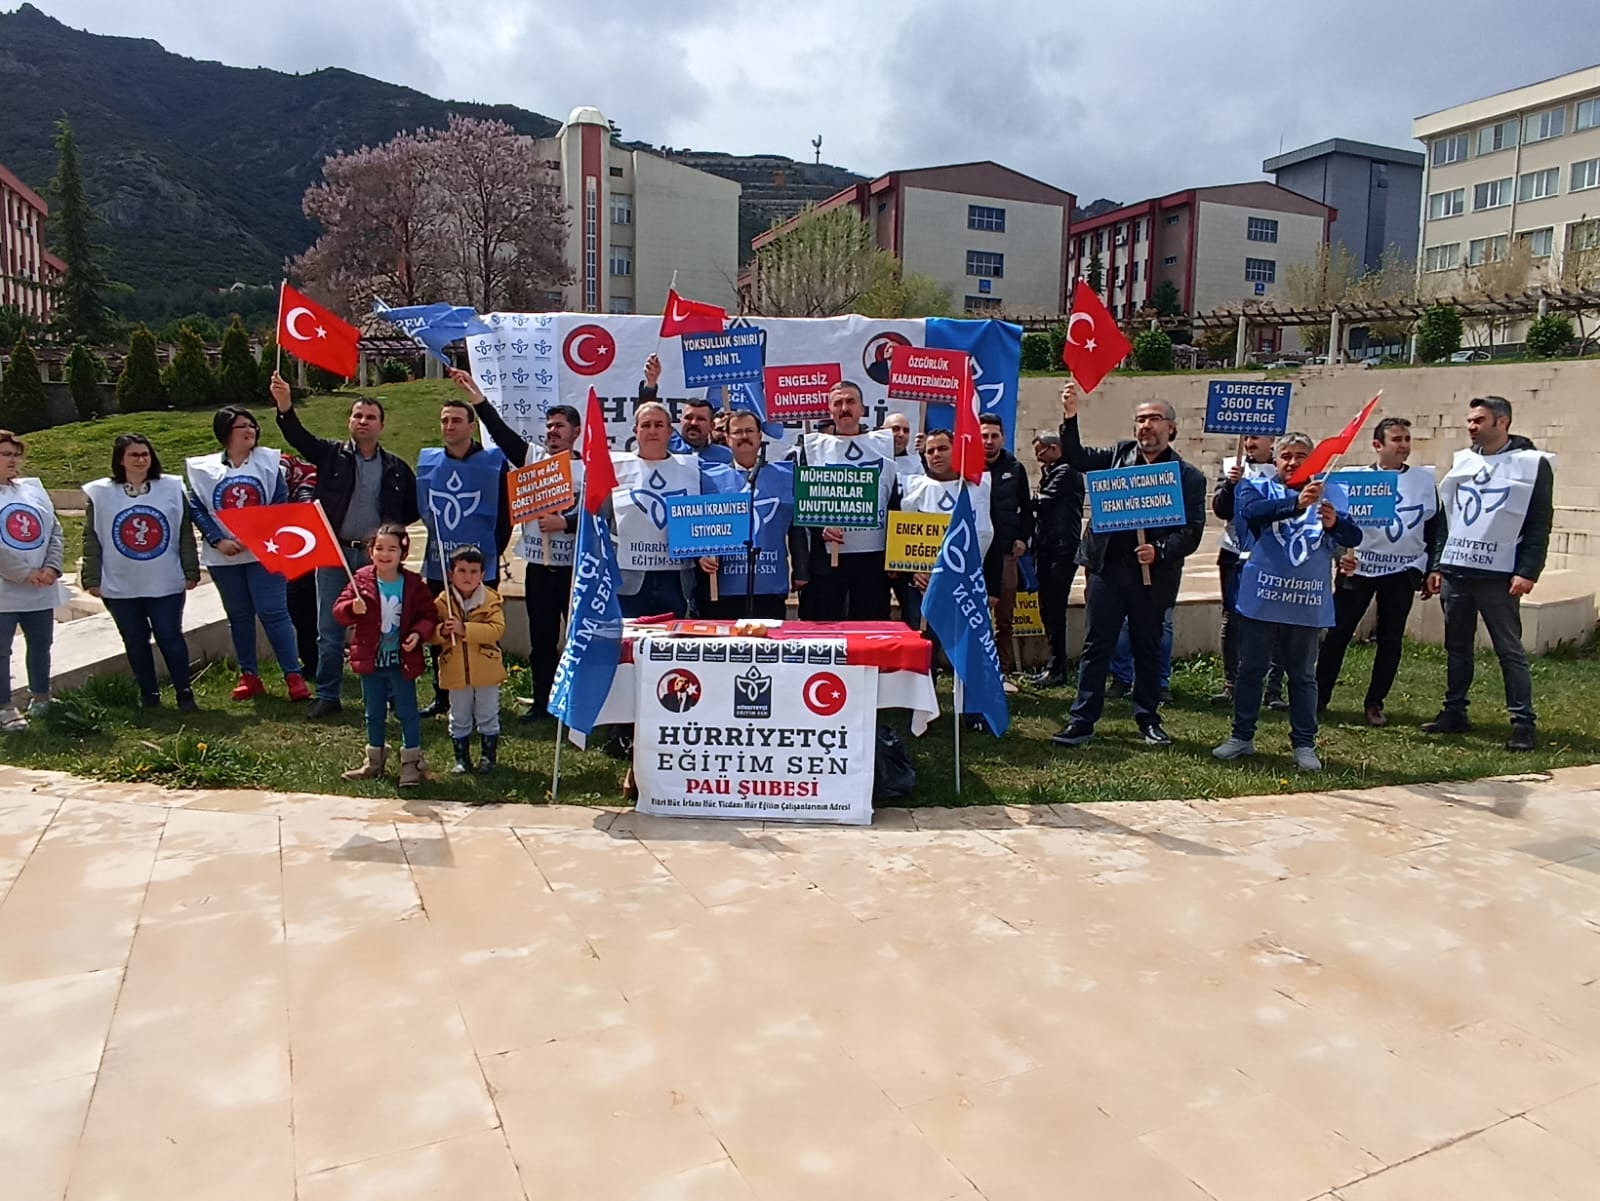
(776, 727)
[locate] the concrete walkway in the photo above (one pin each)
(1380, 996)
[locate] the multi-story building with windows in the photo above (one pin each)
(635, 219)
(995, 238)
(1518, 166)
(1376, 191)
(28, 272)
(1216, 246)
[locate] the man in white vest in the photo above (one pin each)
(653, 582)
(1390, 566)
(1498, 502)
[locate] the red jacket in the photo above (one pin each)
(417, 616)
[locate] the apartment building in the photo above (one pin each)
(28, 272)
(1518, 166)
(1376, 191)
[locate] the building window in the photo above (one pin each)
(1487, 250)
(619, 304)
(622, 260)
(1098, 242)
(981, 216)
(1585, 175)
(980, 304)
(616, 173)
(1261, 229)
(1587, 115)
(1497, 137)
(1450, 150)
(1441, 258)
(1540, 241)
(1138, 231)
(1173, 218)
(1584, 235)
(621, 208)
(986, 264)
(1122, 236)
(1551, 123)
(1116, 275)
(1447, 204)
(1170, 261)
(1133, 276)
(1491, 195)
(1261, 271)
(1536, 185)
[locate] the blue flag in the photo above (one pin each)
(435, 325)
(751, 397)
(956, 608)
(594, 631)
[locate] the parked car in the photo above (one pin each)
(1470, 356)
(1283, 365)
(1317, 360)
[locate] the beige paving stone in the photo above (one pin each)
(1262, 1149)
(477, 1166)
(838, 1156)
(40, 1124)
(1575, 1118)
(23, 821)
(719, 1181)
(1516, 1070)
(156, 1156)
(54, 1028)
(1516, 1159)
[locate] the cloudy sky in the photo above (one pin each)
(1105, 100)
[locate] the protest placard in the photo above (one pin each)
(1026, 621)
(735, 356)
(1247, 407)
(927, 376)
(1134, 498)
(845, 497)
(914, 540)
(539, 488)
(800, 393)
(1374, 495)
(707, 526)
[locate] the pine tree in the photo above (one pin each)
(268, 364)
(81, 309)
(191, 384)
(240, 376)
(85, 370)
(139, 387)
(22, 402)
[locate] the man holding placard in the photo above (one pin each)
(1291, 537)
(1389, 566)
(1146, 516)
(1498, 505)
(772, 538)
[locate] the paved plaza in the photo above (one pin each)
(1371, 996)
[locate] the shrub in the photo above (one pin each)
(191, 761)
(267, 365)
(1438, 332)
(22, 403)
(1152, 351)
(320, 381)
(139, 387)
(238, 375)
(398, 371)
(1035, 352)
(85, 370)
(191, 384)
(1548, 335)
(1057, 334)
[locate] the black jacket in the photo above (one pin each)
(1173, 543)
(1058, 511)
(1533, 545)
(336, 474)
(1010, 502)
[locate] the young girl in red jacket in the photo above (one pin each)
(392, 615)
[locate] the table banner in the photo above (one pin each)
(754, 729)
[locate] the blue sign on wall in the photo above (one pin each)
(735, 356)
(1373, 495)
(1247, 407)
(707, 525)
(1133, 498)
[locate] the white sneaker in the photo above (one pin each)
(11, 720)
(1008, 687)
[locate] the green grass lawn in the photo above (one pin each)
(67, 455)
(266, 744)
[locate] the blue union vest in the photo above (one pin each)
(774, 511)
(1288, 577)
(459, 500)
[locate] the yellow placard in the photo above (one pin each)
(913, 540)
(1025, 619)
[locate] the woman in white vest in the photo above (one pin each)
(139, 558)
(244, 474)
(30, 578)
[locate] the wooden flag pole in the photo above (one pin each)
(334, 539)
(444, 568)
(1144, 568)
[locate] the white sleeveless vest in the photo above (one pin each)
(138, 537)
(924, 494)
(220, 486)
(1485, 499)
(26, 519)
(872, 449)
(1252, 471)
(641, 511)
(563, 546)
(1400, 545)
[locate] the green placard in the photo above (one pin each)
(844, 497)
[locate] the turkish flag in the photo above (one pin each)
(690, 317)
(1329, 449)
(290, 540)
(1094, 344)
(966, 444)
(312, 334)
(599, 476)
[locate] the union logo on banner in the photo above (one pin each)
(142, 533)
(238, 492)
(21, 527)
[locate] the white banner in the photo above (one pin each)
(758, 729)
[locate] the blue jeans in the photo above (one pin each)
(1122, 657)
(139, 617)
(249, 591)
(1467, 598)
(378, 689)
(1296, 648)
(330, 634)
(39, 629)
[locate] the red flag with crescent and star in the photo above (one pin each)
(690, 316)
(1094, 344)
(1325, 452)
(289, 540)
(313, 335)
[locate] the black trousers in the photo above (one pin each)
(909, 600)
(546, 591)
(857, 590)
(1055, 586)
(1351, 599)
(1116, 593)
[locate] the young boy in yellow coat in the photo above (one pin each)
(471, 623)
